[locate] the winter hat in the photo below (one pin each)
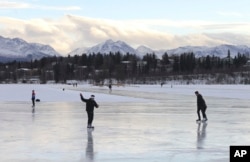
(92, 96)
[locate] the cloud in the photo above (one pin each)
(230, 38)
(13, 5)
(227, 27)
(64, 8)
(71, 32)
(230, 14)
(20, 5)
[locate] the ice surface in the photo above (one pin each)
(133, 124)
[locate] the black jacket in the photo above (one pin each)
(90, 104)
(201, 102)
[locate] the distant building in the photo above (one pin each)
(26, 75)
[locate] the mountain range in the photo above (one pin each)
(20, 50)
(118, 46)
(199, 51)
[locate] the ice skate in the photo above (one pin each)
(198, 121)
(90, 126)
(204, 120)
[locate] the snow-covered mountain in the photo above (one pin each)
(79, 51)
(143, 50)
(18, 49)
(106, 47)
(220, 51)
(199, 51)
(111, 46)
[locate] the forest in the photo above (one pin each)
(122, 68)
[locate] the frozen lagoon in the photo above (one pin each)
(147, 124)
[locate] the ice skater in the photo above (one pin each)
(201, 106)
(110, 88)
(90, 105)
(33, 98)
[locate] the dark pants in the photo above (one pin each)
(90, 117)
(203, 111)
(33, 101)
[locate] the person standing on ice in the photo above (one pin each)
(90, 105)
(201, 106)
(110, 88)
(33, 98)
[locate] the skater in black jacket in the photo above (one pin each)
(33, 98)
(201, 106)
(90, 105)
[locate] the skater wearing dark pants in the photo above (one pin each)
(201, 106)
(110, 88)
(33, 97)
(90, 105)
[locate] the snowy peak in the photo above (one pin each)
(219, 51)
(199, 51)
(187, 49)
(234, 50)
(78, 51)
(18, 48)
(143, 50)
(111, 46)
(17, 41)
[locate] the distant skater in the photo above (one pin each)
(90, 105)
(201, 106)
(33, 98)
(110, 88)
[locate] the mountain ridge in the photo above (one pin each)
(199, 51)
(19, 49)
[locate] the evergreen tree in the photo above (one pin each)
(176, 64)
(165, 59)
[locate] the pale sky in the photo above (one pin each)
(159, 24)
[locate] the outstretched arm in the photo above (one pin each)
(82, 98)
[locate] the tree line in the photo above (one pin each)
(99, 67)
